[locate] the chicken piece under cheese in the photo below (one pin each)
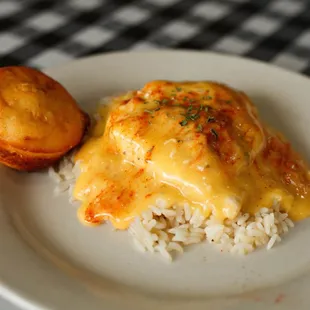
(199, 142)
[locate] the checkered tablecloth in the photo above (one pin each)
(50, 32)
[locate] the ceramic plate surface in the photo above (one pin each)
(48, 260)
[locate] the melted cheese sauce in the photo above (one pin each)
(195, 142)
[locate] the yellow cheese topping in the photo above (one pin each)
(195, 142)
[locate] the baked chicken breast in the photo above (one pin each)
(199, 142)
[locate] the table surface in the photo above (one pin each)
(50, 32)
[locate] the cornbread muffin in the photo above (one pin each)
(39, 120)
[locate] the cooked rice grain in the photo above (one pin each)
(167, 229)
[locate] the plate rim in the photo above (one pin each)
(16, 297)
(207, 53)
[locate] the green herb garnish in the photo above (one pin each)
(183, 123)
(199, 128)
(207, 98)
(163, 101)
(178, 88)
(193, 117)
(225, 101)
(151, 111)
(214, 133)
(210, 119)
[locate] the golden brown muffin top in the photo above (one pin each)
(37, 114)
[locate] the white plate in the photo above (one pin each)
(49, 260)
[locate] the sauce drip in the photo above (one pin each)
(195, 142)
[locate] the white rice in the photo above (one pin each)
(167, 229)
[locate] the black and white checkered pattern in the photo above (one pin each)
(50, 32)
